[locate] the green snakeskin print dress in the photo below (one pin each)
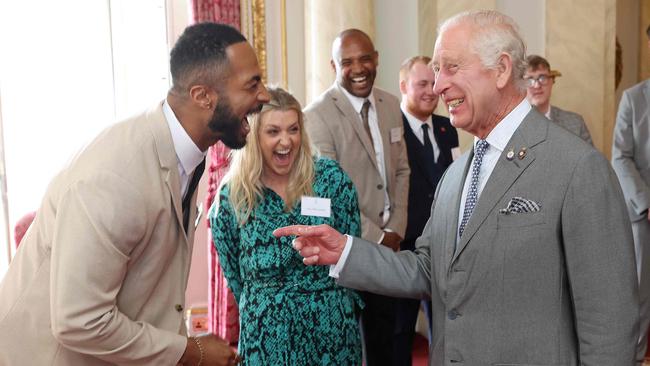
(290, 314)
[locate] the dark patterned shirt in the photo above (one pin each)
(290, 314)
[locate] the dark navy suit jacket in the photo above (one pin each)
(423, 181)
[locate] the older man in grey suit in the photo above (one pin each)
(360, 126)
(631, 161)
(540, 79)
(528, 255)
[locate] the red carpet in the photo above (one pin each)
(420, 351)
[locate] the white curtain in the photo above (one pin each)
(5, 244)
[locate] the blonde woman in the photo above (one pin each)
(290, 314)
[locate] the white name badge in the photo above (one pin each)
(395, 135)
(315, 206)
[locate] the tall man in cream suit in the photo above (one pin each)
(360, 126)
(528, 255)
(100, 277)
(631, 161)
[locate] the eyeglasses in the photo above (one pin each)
(542, 80)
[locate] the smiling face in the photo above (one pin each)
(417, 91)
(467, 87)
(355, 63)
(279, 142)
(242, 95)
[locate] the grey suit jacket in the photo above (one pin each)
(336, 129)
(98, 276)
(572, 122)
(631, 148)
(553, 287)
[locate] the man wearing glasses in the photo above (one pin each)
(539, 80)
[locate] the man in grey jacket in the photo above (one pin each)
(631, 161)
(540, 80)
(528, 255)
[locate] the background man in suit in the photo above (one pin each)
(540, 80)
(431, 142)
(631, 161)
(360, 126)
(101, 274)
(528, 255)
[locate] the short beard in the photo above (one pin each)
(227, 124)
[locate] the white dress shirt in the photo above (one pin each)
(377, 142)
(498, 140)
(188, 155)
(416, 126)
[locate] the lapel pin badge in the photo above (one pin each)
(522, 153)
(510, 155)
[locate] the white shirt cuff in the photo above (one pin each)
(338, 267)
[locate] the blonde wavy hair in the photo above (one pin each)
(244, 177)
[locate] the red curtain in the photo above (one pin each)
(223, 315)
(218, 11)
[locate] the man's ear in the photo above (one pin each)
(504, 70)
(203, 96)
(402, 87)
(333, 66)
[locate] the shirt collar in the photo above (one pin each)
(357, 102)
(414, 122)
(503, 131)
(188, 154)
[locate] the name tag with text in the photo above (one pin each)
(395, 135)
(315, 206)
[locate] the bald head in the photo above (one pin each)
(355, 60)
(352, 33)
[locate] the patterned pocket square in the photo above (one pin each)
(520, 205)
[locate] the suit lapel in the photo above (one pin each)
(531, 132)
(442, 135)
(417, 149)
(384, 129)
(456, 181)
(344, 105)
(168, 160)
(552, 114)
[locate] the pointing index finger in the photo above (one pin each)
(296, 230)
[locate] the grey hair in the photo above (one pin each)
(496, 33)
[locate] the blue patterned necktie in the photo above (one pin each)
(472, 193)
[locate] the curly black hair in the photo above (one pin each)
(199, 55)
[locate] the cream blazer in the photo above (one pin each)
(336, 129)
(100, 276)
